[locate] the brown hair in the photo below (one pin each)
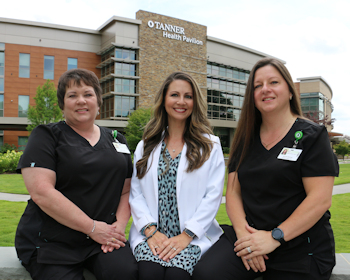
(77, 76)
(197, 124)
(250, 119)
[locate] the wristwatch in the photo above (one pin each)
(278, 235)
(189, 233)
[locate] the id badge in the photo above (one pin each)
(290, 154)
(121, 148)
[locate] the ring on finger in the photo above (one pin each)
(107, 243)
(174, 249)
(249, 260)
(113, 239)
(249, 250)
(171, 247)
(155, 247)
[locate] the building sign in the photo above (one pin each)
(173, 32)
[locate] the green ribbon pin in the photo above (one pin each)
(115, 133)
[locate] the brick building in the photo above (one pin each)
(131, 57)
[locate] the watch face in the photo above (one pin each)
(277, 233)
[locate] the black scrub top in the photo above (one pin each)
(92, 177)
(272, 189)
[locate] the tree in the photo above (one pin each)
(136, 124)
(319, 118)
(342, 148)
(46, 109)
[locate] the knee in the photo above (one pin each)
(202, 272)
(127, 272)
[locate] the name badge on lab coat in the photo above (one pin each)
(290, 154)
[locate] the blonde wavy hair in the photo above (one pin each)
(197, 126)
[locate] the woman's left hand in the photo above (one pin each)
(173, 246)
(258, 243)
(119, 228)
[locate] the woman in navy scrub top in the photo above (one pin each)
(281, 175)
(79, 185)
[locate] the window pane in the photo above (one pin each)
(1, 105)
(24, 65)
(2, 63)
(49, 65)
(1, 84)
(215, 70)
(22, 142)
(208, 69)
(72, 63)
(23, 104)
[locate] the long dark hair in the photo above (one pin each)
(197, 125)
(250, 119)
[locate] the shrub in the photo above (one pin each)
(9, 161)
(226, 150)
(7, 147)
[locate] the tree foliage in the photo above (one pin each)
(46, 109)
(136, 125)
(342, 148)
(319, 118)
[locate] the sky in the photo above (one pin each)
(312, 36)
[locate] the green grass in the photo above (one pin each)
(344, 175)
(10, 213)
(12, 183)
(340, 211)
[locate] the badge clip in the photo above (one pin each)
(298, 135)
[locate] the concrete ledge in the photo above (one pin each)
(11, 268)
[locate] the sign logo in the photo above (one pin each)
(173, 32)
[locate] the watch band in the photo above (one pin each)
(189, 233)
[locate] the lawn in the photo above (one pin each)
(13, 183)
(10, 213)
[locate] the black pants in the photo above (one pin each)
(221, 262)
(119, 265)
(149, 270)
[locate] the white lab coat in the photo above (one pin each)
(198, 196)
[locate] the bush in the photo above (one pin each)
(226, 150)
(9, 161)
(7, 147)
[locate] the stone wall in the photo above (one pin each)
(167, 45)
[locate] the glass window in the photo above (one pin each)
(125, 69)
(125, 85)
(1, 84)
(72, 63)
(229, 73)
(2, 63)
(125, 54)
(222, 85)
(49, 66)
(1, 105)
(208, 69)
(235, 74)
(23, 105)
(208, 82)
(22, 142)
(124, 106)
(24, 65)
(1, 141)
(214, 83)
(222, 71)
(215, 70)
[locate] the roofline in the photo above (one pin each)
(224, 42)
(315, 78)
(121, 19)
(48, 25)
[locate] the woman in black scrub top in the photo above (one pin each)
(78, 176)
(281, 175)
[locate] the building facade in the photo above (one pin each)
(131, 57)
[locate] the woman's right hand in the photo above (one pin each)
(256, 263)
(155, 243)
(108, 235)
